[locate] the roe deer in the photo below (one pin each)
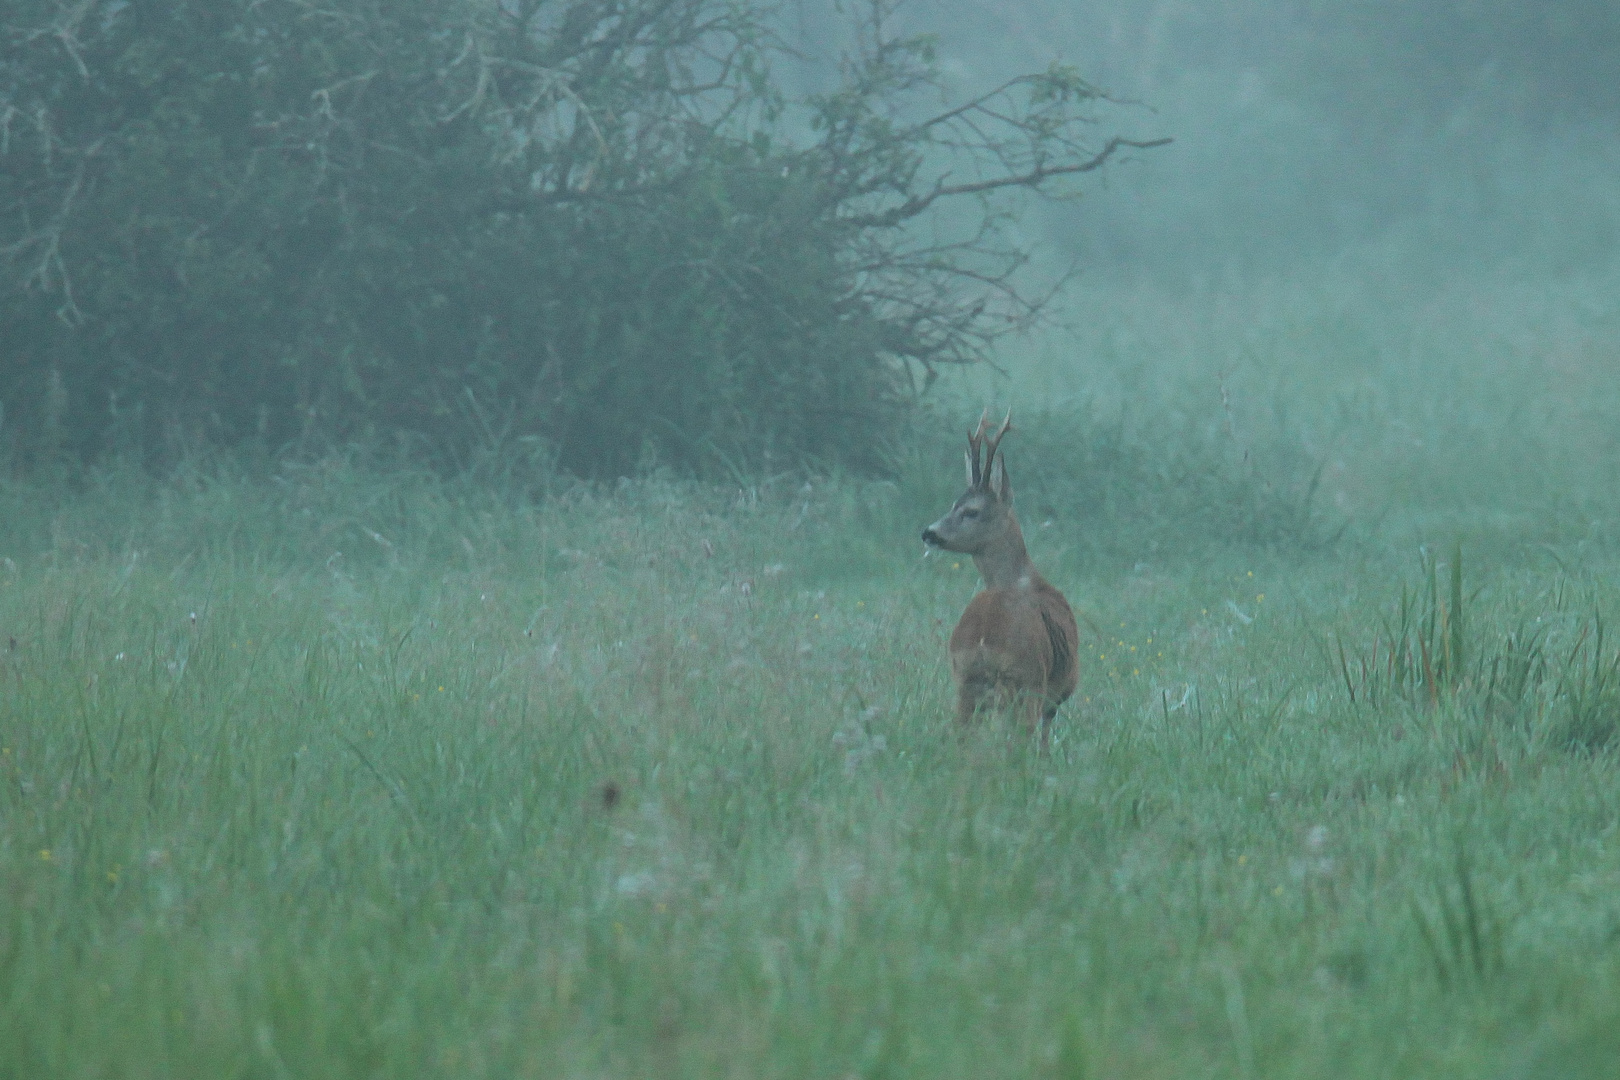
(1015, 645)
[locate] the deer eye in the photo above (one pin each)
(970, 512)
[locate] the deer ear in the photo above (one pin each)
(967, 456)
(1000, 486)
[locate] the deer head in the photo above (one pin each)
(983, 515)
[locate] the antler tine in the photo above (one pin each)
(976, 437)
(978, 466)
(995, 441)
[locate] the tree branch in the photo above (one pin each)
(1032, 178)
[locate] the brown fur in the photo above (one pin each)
(1015, 646)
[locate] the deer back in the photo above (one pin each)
(1020, 638)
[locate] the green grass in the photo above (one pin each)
(347, 771)
(552, 790)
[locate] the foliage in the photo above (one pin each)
(581, 223)
(1552, 678)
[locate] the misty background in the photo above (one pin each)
(1384, 238)
(1450, 134)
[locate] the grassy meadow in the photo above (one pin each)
(338, 769)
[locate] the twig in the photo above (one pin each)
(1033, 178)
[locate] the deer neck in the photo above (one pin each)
(1003, 563)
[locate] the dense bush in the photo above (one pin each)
(454, 222)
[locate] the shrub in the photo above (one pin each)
(577, 222)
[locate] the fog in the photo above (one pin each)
(1449, 134)
(1383, 240)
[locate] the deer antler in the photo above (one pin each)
(994, 441)
(978, 468)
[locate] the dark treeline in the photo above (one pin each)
(572, 225)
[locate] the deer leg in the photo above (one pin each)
(1045, 724)
(967, 702)
(1030, 709)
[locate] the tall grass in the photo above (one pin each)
(343, 770)
(626, 784)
